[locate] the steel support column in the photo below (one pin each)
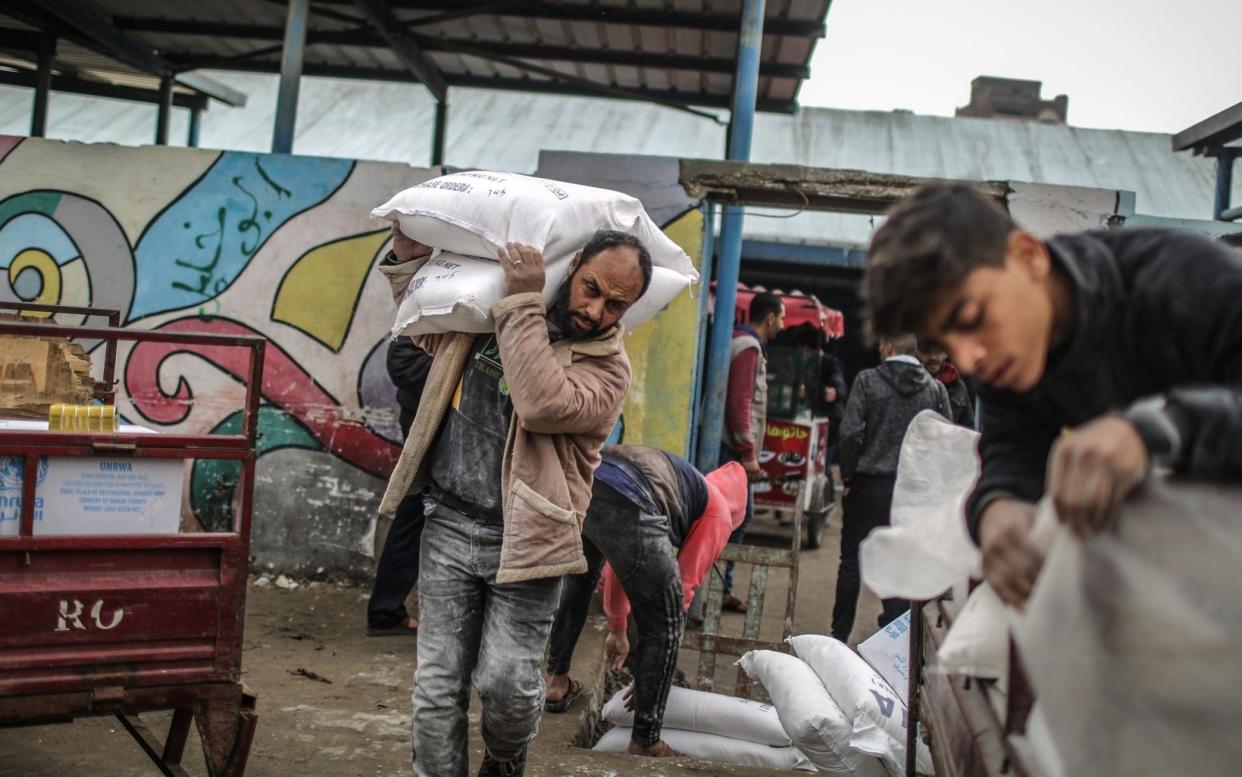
(1224, 180)
(163, 116)
(43, 85)
(700, 341)
(741, 123)
(290, 76)
(196, 122)
(437, 136)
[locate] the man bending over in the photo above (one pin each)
(645, 503)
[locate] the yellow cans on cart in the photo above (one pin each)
(81, 418)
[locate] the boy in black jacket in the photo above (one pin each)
(1099, 354)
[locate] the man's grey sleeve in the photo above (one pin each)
(853, 428)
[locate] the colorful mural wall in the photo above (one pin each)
(281, 247)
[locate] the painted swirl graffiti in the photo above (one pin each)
(285, 385)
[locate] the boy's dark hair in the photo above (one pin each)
(931, 241)
(604, 239)
(762, 304)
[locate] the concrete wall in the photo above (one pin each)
(277, 246)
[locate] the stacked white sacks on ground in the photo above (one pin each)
(808, 714)
(878, 713)
(713, 727)
(469, 216)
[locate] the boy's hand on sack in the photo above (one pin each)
(1092, 470)
(1011, 562)
(407, 248)
(523, 266)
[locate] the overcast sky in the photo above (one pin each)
(1156, 65)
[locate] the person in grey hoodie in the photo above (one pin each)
(882, 404)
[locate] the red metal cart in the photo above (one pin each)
(124, 624)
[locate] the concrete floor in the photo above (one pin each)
(358, 723)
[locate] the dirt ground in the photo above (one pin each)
(355, 720)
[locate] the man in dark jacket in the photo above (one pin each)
(832, 379)
(961, 397)
(1101, 354)
(397, 570)
(826, 387)
(882, 404)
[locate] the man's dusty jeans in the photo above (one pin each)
(471, 629)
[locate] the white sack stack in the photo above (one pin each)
(878, 713)
(808, 714)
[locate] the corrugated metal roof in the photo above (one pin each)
(681, 51)
(506, 131)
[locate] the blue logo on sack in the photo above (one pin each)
(11, 468)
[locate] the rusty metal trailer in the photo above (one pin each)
(125, 624)
(973, 730)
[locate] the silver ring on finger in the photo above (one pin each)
(516, 262)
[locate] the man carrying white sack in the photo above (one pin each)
(1100, 354)
(507, 436)
(645, 503)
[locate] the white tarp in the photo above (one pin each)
(927, 550)
(1133, 640)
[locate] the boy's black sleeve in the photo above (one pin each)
(1013, 449)
(1192, 298)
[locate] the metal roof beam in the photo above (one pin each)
(507, 84)
(1214, 131)
(100, 30)
(19, 40)
(100, 33)
(429, 43)
(403, 45)
(212, 88)
(807, 188)
(649, 17)
(70, 85)
(554, 87)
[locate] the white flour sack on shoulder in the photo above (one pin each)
(476, 213)
(809, 715)
(878, 714)
(710, 713)
(454, 293)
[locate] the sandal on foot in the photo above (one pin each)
(396, 630)
(564, 703)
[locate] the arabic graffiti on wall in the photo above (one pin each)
(280, 247)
